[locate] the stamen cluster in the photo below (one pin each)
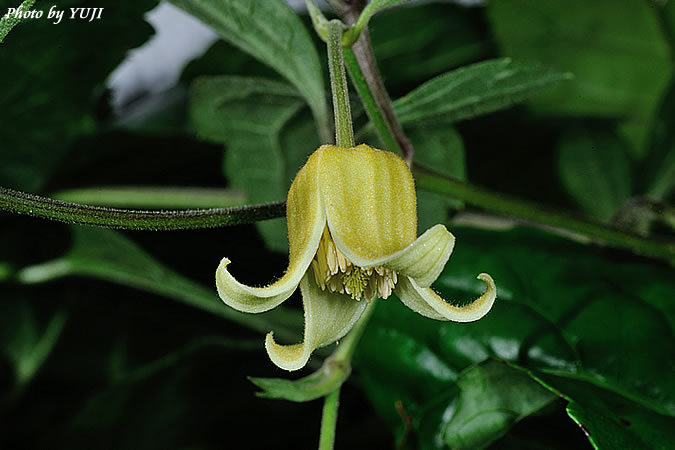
(333, 271)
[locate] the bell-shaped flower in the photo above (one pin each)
(352, 231)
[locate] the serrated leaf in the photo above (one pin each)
(475, 90)
(271, 32)
(595, 169)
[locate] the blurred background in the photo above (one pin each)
(117, 339)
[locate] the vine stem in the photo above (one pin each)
(375, 114)
(131, 219)
(364, 67)
(344, 132)
(491, 201)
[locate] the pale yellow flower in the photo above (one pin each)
(352, 231)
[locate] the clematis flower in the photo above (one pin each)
(352, 231)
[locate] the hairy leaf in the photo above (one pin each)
(271, 32)
(475, 90)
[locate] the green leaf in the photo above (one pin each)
(271, 32)
(612, 421)
(266, 135)
(7, 22)
(493, 397)
(316, 385)
(595, 169)
(658, 172)
(373, 7)
(108, 255)
(475, 90)
(446, 36)
(562, 309)
(617, 54)
(26, 343)
(39, 61)
(439, 147)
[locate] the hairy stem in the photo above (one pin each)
(375, 114)
(365, 59)
(130, 219)
(344, 133)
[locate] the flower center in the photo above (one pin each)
(333, 271)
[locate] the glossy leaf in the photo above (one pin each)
(493, 397)
(561, 309)
(475, 90)
(271, 32)
(610, 420)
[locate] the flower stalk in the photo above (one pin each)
(344, 132)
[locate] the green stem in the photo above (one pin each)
(344, 133)
(367, 71)
(373, 110)
(495, 202)
(329, 420)
(129, 219)
(343, 355)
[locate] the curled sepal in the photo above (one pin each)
(328, 317)
(424, 259)
(426, 302)
(254, 299)
(370, 203)
(306, 220)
